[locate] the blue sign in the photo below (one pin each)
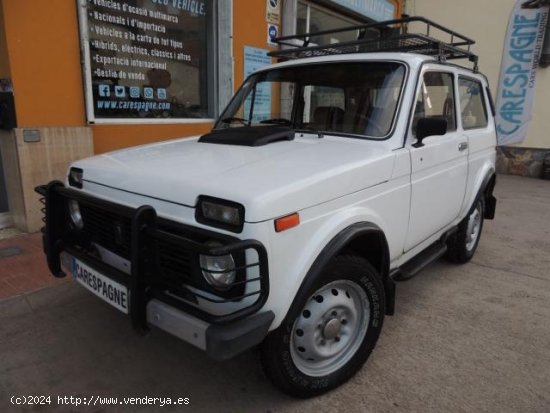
(134, 92)
(378, 10)
(161, 93)
(104, 90)
(120, 91)
(272, 31)
(148, 92)
(255, 59)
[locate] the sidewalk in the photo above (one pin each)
(23, 266)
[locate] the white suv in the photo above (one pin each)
(324, 181)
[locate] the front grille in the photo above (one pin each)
(101, 227)
(175, 267)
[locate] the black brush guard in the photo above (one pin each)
(144, 237)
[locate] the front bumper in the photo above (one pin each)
(221, 335)
(220, 342)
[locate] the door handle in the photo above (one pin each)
(462, 146)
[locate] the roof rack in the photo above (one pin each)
(393, 36)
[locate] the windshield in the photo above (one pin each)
(358, 98)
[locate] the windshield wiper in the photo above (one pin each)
(277, 121)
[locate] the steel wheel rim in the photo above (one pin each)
(474, 228)
(330, 328)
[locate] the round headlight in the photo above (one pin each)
(218, 271)
(76, 216)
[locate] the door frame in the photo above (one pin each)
(448, 140)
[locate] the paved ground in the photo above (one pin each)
(23, 267)
(469, 338)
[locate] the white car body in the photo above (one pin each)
(413, 195)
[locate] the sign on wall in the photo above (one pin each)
(518, 72)
(145, 59)
(273, 11)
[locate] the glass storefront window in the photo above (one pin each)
(312, 18)
(149, 59)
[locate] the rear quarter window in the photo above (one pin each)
(472, 104)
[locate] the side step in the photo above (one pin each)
(421, 261)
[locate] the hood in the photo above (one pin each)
(270, 181)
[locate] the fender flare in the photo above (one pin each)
(486, 189)
(336, 245)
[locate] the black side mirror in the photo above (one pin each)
(429, 127)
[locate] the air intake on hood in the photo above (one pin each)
(249, 135)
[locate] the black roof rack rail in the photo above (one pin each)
(394, 36)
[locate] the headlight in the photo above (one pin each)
(75, 177)
(76, 216)
(218, 271)
(220, 213)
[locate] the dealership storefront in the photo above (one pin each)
(91, 76)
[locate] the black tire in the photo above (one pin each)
(461, 247)
(277, 355)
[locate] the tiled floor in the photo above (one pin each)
(26, 271)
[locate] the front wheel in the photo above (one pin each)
(333, 334)
(463, 244)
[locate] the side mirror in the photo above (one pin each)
(429, 127)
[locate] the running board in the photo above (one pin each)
(418, 263)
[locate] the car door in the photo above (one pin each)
(439, 168)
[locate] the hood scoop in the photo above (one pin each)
(249, 135)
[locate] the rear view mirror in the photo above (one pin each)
(429, 127)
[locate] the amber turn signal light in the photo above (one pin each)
(284, 223)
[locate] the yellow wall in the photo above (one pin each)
(43, 46)
(486, 23)
(246, 33)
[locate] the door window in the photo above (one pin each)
(472, 105)
(436, 98)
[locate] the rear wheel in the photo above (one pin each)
(333, 334)
(463, 244)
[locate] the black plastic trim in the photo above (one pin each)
(486, 190)
(332, 249)
(227, 341)
(54, 229)
(253, 136)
